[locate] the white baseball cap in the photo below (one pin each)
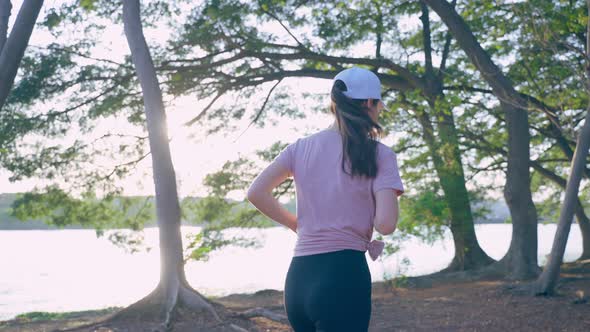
(360, 83)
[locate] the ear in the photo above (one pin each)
(370, 103)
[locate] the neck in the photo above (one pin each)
(333, 126)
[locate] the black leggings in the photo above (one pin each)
(329, 292)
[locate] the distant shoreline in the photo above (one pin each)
(498, 211)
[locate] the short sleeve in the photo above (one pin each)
(387, 172)
(286, 157)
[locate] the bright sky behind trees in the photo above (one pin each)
(194, 154)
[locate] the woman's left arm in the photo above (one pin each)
(260, 195)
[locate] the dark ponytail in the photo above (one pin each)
(359, 132)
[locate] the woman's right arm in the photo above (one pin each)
(386, 211)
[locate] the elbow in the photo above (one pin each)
(385, 228)
(253, 195)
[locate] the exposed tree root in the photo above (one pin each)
(493, 271)
(513, 266)
(167, 309)
(261, 312)
(477, 262)
(569, 272)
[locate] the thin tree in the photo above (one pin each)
(545, 284)
(12, 49)
(173, 289)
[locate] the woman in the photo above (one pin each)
(347, 183)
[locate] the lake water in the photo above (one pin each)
(71, 270)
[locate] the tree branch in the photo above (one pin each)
(426, 38)
(379, 29)
(261, 108)
(130, 163)
(284, 27)
(289, 183)
(202, 113)
(66, 50)
(410, 80)
(446, 50)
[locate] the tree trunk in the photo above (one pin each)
(173, 290)
(584, 224)
(5, 8)
(519, 258)
(16, 44)
(446, 157)
(581, 216)
(447, 162)
(547, 281)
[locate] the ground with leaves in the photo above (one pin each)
(485, 305)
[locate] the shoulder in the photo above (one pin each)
(384, 150)
(319, 136)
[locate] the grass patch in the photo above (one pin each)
(41, 315)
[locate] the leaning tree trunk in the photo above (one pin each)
(546, 282)
(173, 291)
(581, 216)
(519, 260)
(14, 47)
(548, 279)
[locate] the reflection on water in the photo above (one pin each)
(68, 270)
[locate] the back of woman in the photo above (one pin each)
(334, 210)
(347, 183)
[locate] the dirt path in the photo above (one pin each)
(469, 306)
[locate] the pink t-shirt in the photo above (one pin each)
(334, 210)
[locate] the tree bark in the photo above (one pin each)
(173, 288)
(545, 284)
(5, 8)
(521, 259)
(16, 44)
(447, 162)
(517, 193)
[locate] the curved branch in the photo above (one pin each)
(202, 113)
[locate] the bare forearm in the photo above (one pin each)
(273, 209)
